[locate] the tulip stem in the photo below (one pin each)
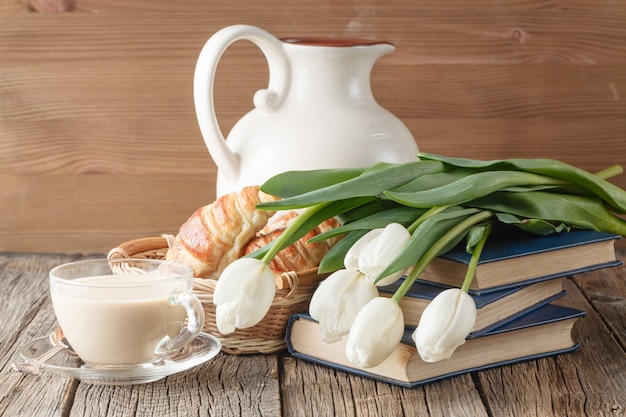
(429, 213)
(473, 263)
(610, 172)
(436, 249)
(283, 240)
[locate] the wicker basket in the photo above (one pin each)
(293, 293)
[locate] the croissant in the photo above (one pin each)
(215, 234)
(299, 256)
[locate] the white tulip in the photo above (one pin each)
(337, 300)
(373, 252)
(243, 294)
(444, 325)
(375, 333)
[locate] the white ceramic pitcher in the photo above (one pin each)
(318, 110)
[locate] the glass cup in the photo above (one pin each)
(125, 312)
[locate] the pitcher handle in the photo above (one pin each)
(226, 160)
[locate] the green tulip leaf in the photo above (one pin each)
(334, 258)
(580, 211)
(292, 183)
(474, 236)
(469, 187)
(402, 215)
(610, 193)
(372, 182)
(536, 226)
(430, 181)
(295, 233)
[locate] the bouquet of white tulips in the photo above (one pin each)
(396, 218)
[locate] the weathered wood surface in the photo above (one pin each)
(99, 142)
(588, 382)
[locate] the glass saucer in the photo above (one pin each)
(203, 348)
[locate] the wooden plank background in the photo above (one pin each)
(98, 137)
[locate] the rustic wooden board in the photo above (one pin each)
(309, 389)
(226, 386)
(80, 213)
(98, 137)
(27, 314)
(224, 7)
(589, 381)
(567, 384)
(605, 291)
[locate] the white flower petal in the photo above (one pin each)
(375, 333)
(351, 261)
(243, 294)
(375, 255)
(337, 301)
(444, 325)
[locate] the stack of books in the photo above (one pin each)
(517, 278)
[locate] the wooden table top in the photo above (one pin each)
(589, 381)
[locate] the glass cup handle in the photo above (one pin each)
(195, 321)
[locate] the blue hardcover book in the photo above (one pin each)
(492, 309)
(545, 331)
(513, 257)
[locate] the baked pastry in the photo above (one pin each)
(216, 234)
(299, 256)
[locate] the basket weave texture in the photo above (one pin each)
(293, 293)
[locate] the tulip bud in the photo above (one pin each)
(375, 333)
(373, 252)
(444, 325)
(337, 300)
(243, 295)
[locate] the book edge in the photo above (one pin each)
(428, 290)
(412, 384)
(489, 328)
(567, 313)
(487, 290)
(458, 254)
